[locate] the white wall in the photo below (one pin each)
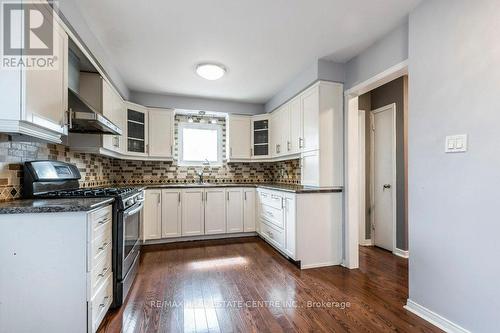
(454, 73)
(195, 103)
(383, 54)
(71, 12)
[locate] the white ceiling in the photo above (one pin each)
(155, 44)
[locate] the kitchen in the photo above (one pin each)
(196, 184)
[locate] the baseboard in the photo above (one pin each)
(366, 242)
(401, 253)
(433, 318)
(318, 265)
(201, 237)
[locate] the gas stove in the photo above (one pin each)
(54, 179)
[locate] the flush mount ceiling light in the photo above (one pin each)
(210, 71)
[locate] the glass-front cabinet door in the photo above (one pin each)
(137, 130)
(260, 136)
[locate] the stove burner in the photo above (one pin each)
(92, 192)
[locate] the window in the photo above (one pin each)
(199, 143)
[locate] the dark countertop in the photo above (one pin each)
(28, 206)
(293, 188)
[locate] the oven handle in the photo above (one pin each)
(133, 211)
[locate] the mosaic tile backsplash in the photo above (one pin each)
(103, 171)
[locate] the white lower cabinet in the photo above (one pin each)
(193, 212)
(234, 210)
(152, 215)
(215, 211)
(171, 213)
(289, 219)
(249, 208)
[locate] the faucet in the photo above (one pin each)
(200, 176)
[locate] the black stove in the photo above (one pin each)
(54, 179)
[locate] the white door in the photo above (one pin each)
(152, 215)
(215, 211)
(290, 225)
(171, 224)
(384, 176)
(234, 206)
(192, 212)
(249, 209)
(160, 132)
(295, 113)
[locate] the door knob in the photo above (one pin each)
(387, 186)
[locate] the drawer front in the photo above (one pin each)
(272, 215)
(273, 235)
(99, 246)
(271, 198)
(101, 302)
(101, 221)
(100, 270)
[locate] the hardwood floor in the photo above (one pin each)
(223, 286)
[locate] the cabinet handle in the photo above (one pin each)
(104, 300)
(270, 234)
(251, 152)
(288, 145)
(179, 197)
(104, 220)
(103, 246)
(283, 203)
(171, 150)
(231, 152)
(245, 193)
(70, 118)
(159, 199)
(103, 272)
(301, 143)
(227, 195)
(147, 148)
(206, 197)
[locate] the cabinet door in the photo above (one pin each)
(295, 118)
(192, 212)
(215, 211)
(46, 91)
(152, 215)
(137, 130)
(171, 213)
(110, 111)
(284, 123)
(310, 119)
(249, 208)
(160, 132)
(234, 205)
(290, 225)
(239, 140)
(275, 133)
(310, 168)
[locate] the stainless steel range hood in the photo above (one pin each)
(84, 119)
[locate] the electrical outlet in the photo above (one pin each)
(456, 143)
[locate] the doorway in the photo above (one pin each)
(358, 188)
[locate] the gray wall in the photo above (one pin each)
(454, 81)
(319, 70)
(385, 53)
(195, 103)
(392, 92)
(71, 13)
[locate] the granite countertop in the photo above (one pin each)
(28, 206)
(293, 188)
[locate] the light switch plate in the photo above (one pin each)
(456, 143)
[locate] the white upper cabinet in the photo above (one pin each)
(35, 102)
(161, 122)
(238, 137)
(137, 130)
(310, 118)
(295, 117)
(215, 211)
(234, 206)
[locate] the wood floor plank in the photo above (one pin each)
(244, 285)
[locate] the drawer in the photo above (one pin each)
(100, 221)
(271, 198)
(100, 270)
(273, 235)
(101, 302)
(272, 215)
(99, 245)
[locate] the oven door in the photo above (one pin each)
(131, 235)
